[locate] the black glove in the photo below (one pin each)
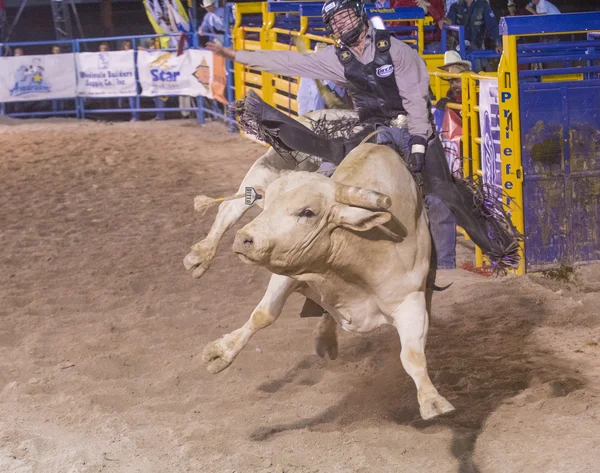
(416, 158)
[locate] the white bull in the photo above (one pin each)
(358, 244)
(265, 170)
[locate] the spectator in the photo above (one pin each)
(310, 97)
(19, 107)
(448, 4)
(213, 22)
(479, 22)
(455, 64)
(433, 8)
(57, 105)
(159, 102)
(448, 121)
(542, 7)
(135, 116)
(104, 48)
(381, 4)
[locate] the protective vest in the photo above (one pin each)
(372, 86)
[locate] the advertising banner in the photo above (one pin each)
(489, 122)
(49, 76)
(165, 73)
(106, 74)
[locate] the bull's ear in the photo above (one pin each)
(359, 219)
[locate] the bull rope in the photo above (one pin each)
(203, 202)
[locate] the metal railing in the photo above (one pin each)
(80, 105)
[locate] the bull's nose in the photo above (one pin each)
(243, 242)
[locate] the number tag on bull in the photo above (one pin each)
(251, 196)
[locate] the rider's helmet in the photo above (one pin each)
(345, 19)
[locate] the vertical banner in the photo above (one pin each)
(106, 74)
(219, 84)
(165, 73)
(50, 76)
(489, 122)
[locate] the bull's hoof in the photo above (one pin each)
(217, 356)
(327, 344)
(199, 259)
(434, 406)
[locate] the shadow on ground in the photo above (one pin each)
(477, 360)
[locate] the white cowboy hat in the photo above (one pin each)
(454, 63)
(207, 3)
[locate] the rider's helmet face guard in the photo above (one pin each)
(345, 19)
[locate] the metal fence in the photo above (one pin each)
(135, 106)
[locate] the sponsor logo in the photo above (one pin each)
(382, 44)
(162, 70)
(103, 60)
(329, 7)
(385, 71)
(202, 73)
(30, 79)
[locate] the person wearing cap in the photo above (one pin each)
(389, 85)
(479, 22)
(213, 22)
(512, 8)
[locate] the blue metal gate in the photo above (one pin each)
(560, 133)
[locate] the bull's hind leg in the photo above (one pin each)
(412, 322)
(326, 341)
(264, 171)
(219, 354)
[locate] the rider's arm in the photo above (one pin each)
(412, 79)
(323, 64)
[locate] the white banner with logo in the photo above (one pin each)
(489, 122)
(109, 73)
(50, 76)
(165, 73)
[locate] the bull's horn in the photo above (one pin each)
(359, 197)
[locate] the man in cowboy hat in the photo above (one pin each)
(455, 64)
(213, 21)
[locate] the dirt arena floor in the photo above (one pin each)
(102, 330)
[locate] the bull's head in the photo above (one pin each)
(301, 212)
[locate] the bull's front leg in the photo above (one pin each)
(264, 171)
(412, 322)
(202, 253)
(219, 354)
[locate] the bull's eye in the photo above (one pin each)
(306, 213)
